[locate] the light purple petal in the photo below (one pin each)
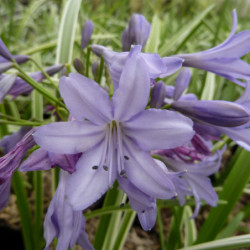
(85, 99)
(69, 137)
(172, 65)
(240, 136)
(38, 160)
(159, 129)
(61, 220)
(132, 95)
(145, 174)
(144, 205)
(182, 82)
(8, 142)
(155, 65)
(6, 84)
(86, 185)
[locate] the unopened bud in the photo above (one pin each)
(79, 66)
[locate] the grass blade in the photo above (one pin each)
(67, 31)
(184, 32)
(233, 188)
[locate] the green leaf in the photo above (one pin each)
(232, 190)
(67, 31)
(174, 237)
(209, 88)
(24, 210)
(154, 37)
(183, 33)
(124, 230)
(189, 226)
(231, 226)
(235, 242)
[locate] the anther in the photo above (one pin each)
(123, 172)
(143, 211)
(126, 157)
(106, 168)
(122, 205)
(95, 167)
(125, 176)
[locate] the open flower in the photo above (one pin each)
(115, 135)
(63, 222)
(224, 59)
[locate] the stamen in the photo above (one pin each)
(106, 168)
(95, 167)
(122, 205)
(123, 172)
(126, 157)
(110, 152)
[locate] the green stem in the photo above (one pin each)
(21, 123)
(88, 61)
(37, 113)
(53, 100)
(100, 70)
(24, 210)
(45, 73)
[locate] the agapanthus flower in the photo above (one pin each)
(195, 181)
(224, 59)
(115, 135)
(11, 161)
(156, 66)
(137, 32)
(62, 222)
(8, 144)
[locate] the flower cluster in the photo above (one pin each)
(155, 140)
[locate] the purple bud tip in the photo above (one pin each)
(87, 31)
(158, 95)
(54, 69)
(21, 58)
(137, 32)
(4, 52)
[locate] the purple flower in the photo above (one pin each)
(196, 178)
(11, 161)
(115, 135)
(224, 59)
(156, 66)
(137, 32)
(87, 31)
(63, 222)
(8, 144)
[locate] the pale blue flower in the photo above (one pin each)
(115, 135)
